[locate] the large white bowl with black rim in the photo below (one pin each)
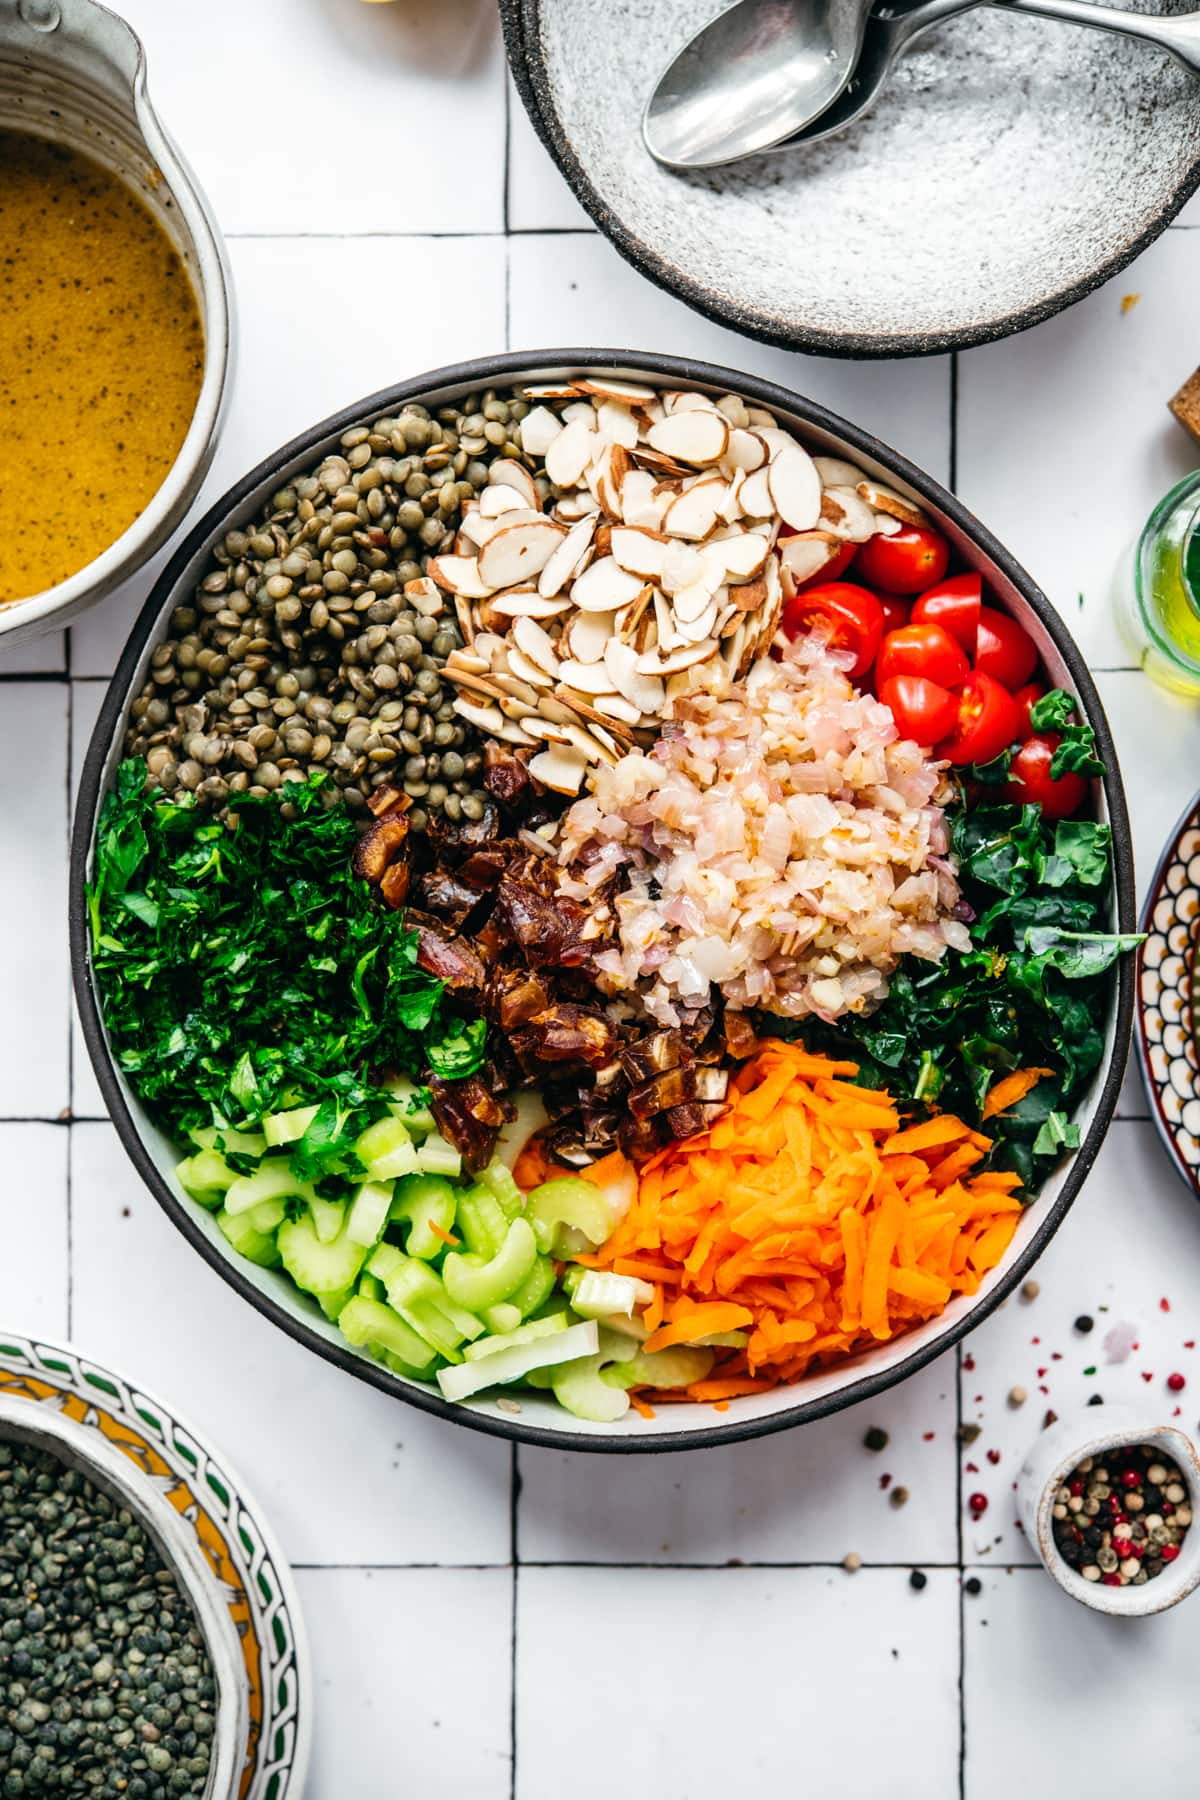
(539, 1420)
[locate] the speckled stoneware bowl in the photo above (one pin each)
(535, 1417)
(1095, 1431)
(1011, 165)
(103, 1463)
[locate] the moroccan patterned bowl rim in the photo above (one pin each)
(1189, 1173)
(531, 79)
(48, 1389)
(852, 1381)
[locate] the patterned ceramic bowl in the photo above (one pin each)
(1166, 1015)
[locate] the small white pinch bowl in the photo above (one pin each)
(1094, 1431)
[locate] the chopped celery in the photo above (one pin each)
(414, 1113)
(524, 1334)
(371, 1287)
(410, 1282)
(568, 1202)
(384, 1260)
(511, 1365)
(536, 1288)
(677, 1367)
(595, 1293)
(431, 1324)
(385, 1150)
(267, 1216)
(328, 1217)
(632, 1329)
(257, 1246)
(224, 1138)
(206, 1177)
(481, 1221)
(722, 1340)
(531, 1116)
(429, 1204)
(498, 1178)
(580, 1387)
(272, 1180)
(436, 1157)
(476, 1282)
(398, 1366)
(316, 1267)
(288, 1127)
(364, 1321)
(502, 1318)
(369, 1213)
(331, 1304)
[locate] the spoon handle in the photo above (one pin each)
(1180, 34)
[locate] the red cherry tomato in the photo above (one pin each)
(923, 710)
(1026, 699)
(1004, 650)
(895, 610)
(1030, 781)
(987, 723)
(955, 605)
(854, 613)
(922, 650)
(907, 562)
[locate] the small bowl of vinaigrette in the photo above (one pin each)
(114, 362)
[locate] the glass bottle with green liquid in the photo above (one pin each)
(1159, 590)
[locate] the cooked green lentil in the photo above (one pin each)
(105, 1686)
(300, 648)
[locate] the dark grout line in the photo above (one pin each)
(958, 1530)
(409, 237)
(514, 1501)
(732, 1568)
(506, 196)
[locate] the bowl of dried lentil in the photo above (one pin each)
(1107, 1498)
(120, 1666)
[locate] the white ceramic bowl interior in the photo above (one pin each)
(1096, 1431)
(538, 1417)
(72, 71)
(25, 1421)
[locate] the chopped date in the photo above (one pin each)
(379, 845)
(566, 1033)
(453, 960)
(469, 1116)
(504, 774)
(672, 1088)
(446, 895)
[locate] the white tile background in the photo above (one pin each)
(503, 1624)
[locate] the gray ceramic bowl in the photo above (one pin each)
(539, 1419)
(1011, 165)
(109, 1469)
(72, 71)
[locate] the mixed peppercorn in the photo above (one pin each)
(1121, 1518)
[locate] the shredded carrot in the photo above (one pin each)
(810, 1219)
(1006, 1092)
(447, 1237)
(533, 1167)
(640, 1406)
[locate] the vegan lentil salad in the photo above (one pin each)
(718, 1019)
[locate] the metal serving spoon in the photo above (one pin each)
(755, 75)
(890, 32)
(727, 94)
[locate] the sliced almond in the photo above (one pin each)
(560, 768)
(690, 602)
(664, 619)
(504, 498)
(755, 495)
(583, 709)
(625, 393)
(740, 555)
(606, 477)
(513, 733)
(887, 500)
(526, 670)
(616, 424)
(551, 707)
(615, 707)
(605, 586)
(606, 740)
(586, 744)
(694, 513)
(795, 487)
(637, 499)
(566, 558)
(487, 718)
(527, 603)
(846, 514)
(805, 555)
(580, 411)
(570, 508)
(642, 691)
(834, 472)
(639, 551)
(524, 691)
(467, 662)
(538, 430)
(586, 678)
(683, 565)
(570, 453)
(551, 390)
(587, 635)
(734, 409)
(757, 417)
(746, 450)
(693, 631)
(517, 552)
(507, 472)
(684, 658)
(749, 596)
(645, 458)
(627, 623)
(731, 506)
(549, 730)
(537, 645)
(886, 526)
(697, 437)
(460, 575)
